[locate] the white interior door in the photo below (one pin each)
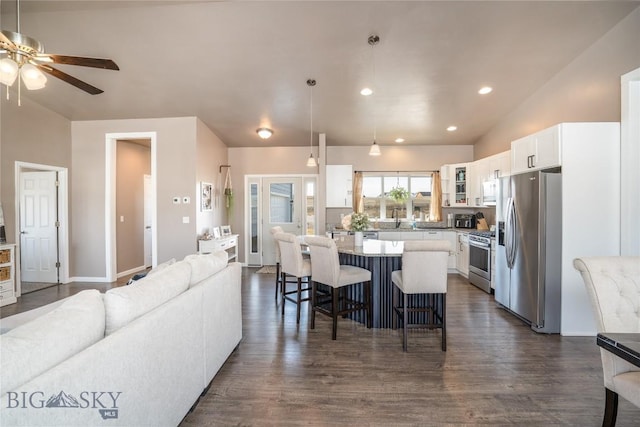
(38, 230)
(148, 220)
(282, 205)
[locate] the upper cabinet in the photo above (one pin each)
(538, 151)
(339, 186)
(459, 179)
(474, 184)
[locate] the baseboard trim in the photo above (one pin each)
(131, 271)
(89, 279)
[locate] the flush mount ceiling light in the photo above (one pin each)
(375, 148)
(26, 61)
(264, 133)
(485, 90)
(311, 162)
(366, 91)
(399, 140)
(452, 128)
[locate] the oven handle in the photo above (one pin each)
(480, 245)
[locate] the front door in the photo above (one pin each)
(282, 205)
(38, 227)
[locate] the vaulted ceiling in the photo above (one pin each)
(242, 65)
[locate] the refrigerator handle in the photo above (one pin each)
(510, 231)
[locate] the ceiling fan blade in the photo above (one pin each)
(70, 79)
(106, 64)
(6, 43)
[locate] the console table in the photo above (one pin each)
(229, 244)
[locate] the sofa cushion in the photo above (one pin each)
(205, 265)
(126, 303)
(36, 346)
(161, 267)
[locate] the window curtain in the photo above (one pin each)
(358, 205)
(435, 212)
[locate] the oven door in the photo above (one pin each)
(480, 259)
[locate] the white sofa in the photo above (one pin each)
(137, 355)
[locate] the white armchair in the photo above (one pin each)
(613, 284)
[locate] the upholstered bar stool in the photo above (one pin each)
(424, 271)
(613, 285)
(293, 264)
(326, 269)
(275, 230)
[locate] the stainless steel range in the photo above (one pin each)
(480, 259)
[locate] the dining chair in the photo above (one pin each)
(275, 230)
(613, 285)
(292, 263)
(327, 270)
(424, 271)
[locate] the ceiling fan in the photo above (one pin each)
(26, 59)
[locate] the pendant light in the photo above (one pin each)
(311, 162)
(375, 148)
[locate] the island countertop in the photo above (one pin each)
(371, 248)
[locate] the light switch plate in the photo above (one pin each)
(176, 200)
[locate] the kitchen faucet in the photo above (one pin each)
(394, 214)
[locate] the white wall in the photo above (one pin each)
(176, 157)
(210, 154)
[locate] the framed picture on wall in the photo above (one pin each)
(206, 190)
(216, 232)
(226, 230)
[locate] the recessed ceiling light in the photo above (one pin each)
(399, 140)
(452, 128)
(485, 90)
(366, 91)
(264, 133)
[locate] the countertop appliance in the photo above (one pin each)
(480, 259)
(529, 250)
(465, 221)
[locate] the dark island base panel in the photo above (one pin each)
(382, 290)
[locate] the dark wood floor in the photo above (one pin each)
(496, 371)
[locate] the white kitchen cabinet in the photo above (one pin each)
(445, 185)
(7, 275)
(477, 174)
(228, 244)
(538, 151)
(339, 189)
(451, 237)
(458, 174)
(499, 165)
(462, 256)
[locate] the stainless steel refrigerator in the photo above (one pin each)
(529, 249)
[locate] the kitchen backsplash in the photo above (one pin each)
(334, 216)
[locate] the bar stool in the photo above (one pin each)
(275, 230)
(293, 264)
(326, 269)
(424, 271)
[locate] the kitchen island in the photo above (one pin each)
(381, 258)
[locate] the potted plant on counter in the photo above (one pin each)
(356, 222)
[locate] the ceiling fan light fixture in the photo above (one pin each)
(8, 71)
(374, 150)
(264, 133)
(32, 77)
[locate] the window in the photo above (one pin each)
(378, 204)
